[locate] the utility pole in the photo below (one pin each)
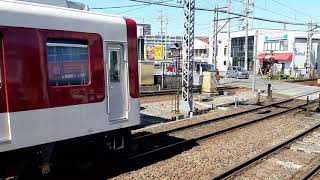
(213, 46)
(188, 56)
(229, 32)
(216, 39)
(246, 38)
(215, 36)
(166, 40)
(309, 49)
(255, 50)
(161, 32)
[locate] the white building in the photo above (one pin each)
(201, 49)
(289, 49)
(203, 52)
(222, 52)
(285, 48)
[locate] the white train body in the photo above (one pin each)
(64, 74)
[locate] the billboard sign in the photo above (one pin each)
(153, 52)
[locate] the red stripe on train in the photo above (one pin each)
(132, 57)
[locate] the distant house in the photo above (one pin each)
(201, 48)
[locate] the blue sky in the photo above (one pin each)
(286, 10)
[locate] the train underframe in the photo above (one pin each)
(43, 159)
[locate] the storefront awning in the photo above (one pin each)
(275, 56)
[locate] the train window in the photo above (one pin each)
(68, 62)
(114, 66)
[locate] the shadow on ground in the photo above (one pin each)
(92, 161)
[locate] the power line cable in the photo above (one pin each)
(224, 11)
(268, 10)
(122, 12)
(144, 5)
(301, 12)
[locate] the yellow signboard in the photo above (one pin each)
(158, 52)
(153, 52)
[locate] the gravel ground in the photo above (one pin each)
(158, 113)
(222, 111)
(289, 163)
(158, 109)
(316, 177)
(307, 82)
(216, 126)
(217, 154)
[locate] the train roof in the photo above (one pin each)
(57, 7)
(33, 15)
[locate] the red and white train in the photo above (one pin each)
(65, 74)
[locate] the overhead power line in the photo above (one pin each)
(116, 7)
(301, 12)
(144, 5)
(224, 11)
(268, 10)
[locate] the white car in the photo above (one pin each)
(237, 72)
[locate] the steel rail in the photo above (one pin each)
(312, 172)
(155, 93)
(262, 155)
(220, 118)
(213, 134)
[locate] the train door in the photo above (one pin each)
(4, 115)
(116, 78)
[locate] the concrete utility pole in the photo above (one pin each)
(309, 50)
(161, 32)
(188, 56)
(229, 32)
(246, 38)
(215, 37)
(166, 39)
(255, 50)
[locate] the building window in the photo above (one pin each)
(279, 45)
(68, 62)
(224, 63)
(283, 45)
(225, 51)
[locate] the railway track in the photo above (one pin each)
(202, 123)
(312, 172)
(246, 164)
(183, 142)
(171, 91)
(138, 159)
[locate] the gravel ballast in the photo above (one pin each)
(288, 163)
(217, 154)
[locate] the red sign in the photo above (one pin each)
(275, 56)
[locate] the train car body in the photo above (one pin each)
(64, 74)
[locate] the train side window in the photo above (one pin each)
(115, 68)
(68, 62)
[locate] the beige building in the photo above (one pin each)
(201, 48)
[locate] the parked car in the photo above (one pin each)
(237, 72)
